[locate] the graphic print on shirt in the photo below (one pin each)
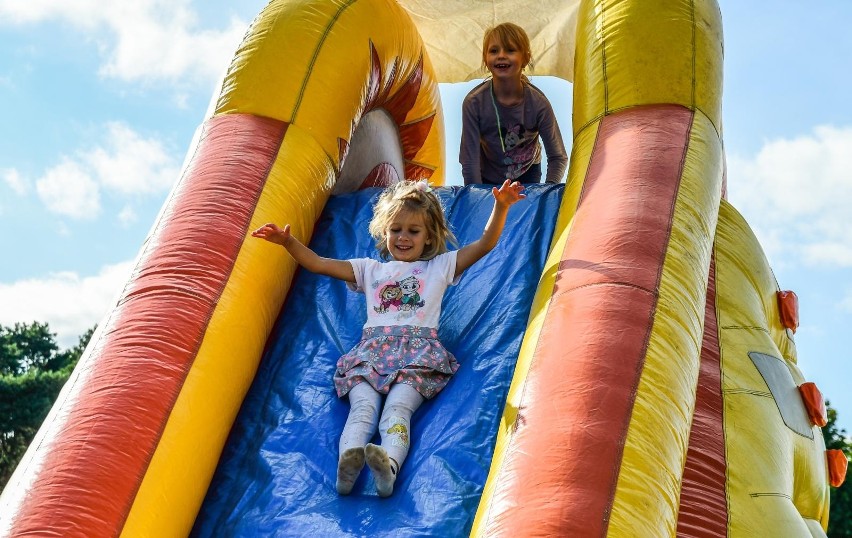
(391, 295)
(410, 298)
(520, 150)
(399, 296)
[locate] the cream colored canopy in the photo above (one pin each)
(453, 30)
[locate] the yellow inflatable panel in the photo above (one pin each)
(776, 473)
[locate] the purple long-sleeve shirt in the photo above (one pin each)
(482, 156)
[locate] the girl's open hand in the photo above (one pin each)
(271, 232)
(508, 193)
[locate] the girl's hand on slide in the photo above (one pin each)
(508, 193)
(271, 232)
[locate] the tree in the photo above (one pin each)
(23, 347)
(32, 372)
(840, 519)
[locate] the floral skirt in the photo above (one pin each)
(397, 354)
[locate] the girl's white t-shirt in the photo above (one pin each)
(404, 293)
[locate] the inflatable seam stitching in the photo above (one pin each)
(317, 50)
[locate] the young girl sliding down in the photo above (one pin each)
(504, 117)
(399, 355)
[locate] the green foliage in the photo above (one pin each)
(24, 347)
(840, 519)
(24, 402)
(32, 372)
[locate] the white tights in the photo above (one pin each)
(395, 424)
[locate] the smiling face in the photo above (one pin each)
(406, 236)
(505, 61)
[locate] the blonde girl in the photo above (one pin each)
(399, 357)
(504, 117)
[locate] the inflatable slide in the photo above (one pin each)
(628, 362)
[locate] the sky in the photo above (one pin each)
(101, 101)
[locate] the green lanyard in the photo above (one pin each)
(497, 113)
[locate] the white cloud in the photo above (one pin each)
(67, 189)
(797, 193)
(13, 179)
(141, 40)
(127, 216)
(131, 164)
(125, 165)
(69, 303)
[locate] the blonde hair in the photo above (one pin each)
(507, 35)
(416, 197)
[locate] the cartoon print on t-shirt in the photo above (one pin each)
(390, 295)
(519, 150)
(402, 296)
(410, 296)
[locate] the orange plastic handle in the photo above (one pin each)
(837, 464)
(814, 403)
(788, 307)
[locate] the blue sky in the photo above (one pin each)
(101, 102)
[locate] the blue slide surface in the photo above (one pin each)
(276, 475)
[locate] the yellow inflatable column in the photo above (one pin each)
(594, 436)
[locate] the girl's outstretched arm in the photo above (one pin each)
(504, 197)
(303, 255)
